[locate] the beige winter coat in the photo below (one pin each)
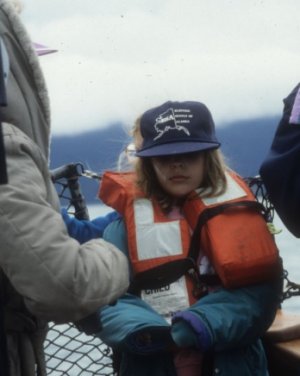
(51, 276)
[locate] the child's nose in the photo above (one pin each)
(177, 161)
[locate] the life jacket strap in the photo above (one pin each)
(170, 272)
(210, 213)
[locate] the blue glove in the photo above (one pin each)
(85, 230)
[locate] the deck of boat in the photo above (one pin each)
(282, 343)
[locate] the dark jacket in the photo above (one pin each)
(280, 170)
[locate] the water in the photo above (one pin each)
(288, 245)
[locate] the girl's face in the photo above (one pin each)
(180, 174)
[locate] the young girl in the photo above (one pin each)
(189, 311)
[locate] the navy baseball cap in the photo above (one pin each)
(177, 128)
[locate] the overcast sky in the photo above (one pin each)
(118, 58)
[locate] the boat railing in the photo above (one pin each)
(70, 352)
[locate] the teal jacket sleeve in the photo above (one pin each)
(229, 318)
(133, 325)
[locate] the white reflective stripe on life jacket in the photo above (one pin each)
(233, 192)
(155, 239)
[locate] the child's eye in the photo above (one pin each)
(187, 157)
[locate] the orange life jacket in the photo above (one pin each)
(230, 229)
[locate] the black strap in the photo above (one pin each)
(204, 280)
(209, 213)
(161, 275)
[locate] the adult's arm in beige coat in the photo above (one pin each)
(59, 279)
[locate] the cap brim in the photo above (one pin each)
(174, 148)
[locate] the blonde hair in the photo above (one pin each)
(213, 184)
